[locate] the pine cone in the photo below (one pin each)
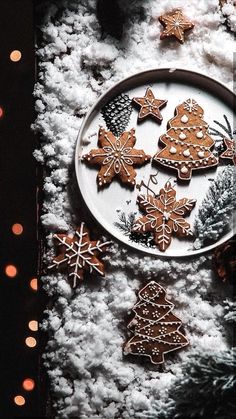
(224, 260)
(117, 114)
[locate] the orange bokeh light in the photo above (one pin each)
(11, 271)
(1, 112)
(34, 284)
(30, 342)
(28, 384)
(33, 325)
(17, 229)
(19, 400)
(15, 55)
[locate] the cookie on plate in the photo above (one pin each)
(164, 216)
(187, 142)
(149, 106)
(116, 157)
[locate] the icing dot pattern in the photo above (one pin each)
(189, 134)
(154, 339)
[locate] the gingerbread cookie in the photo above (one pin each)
(230, 152)
(187, 142)
(77, 254)
(155, 327)
(164, 216)
(116, 157)
(175, 24)
(149, 106)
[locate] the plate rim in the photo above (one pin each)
(92, 109)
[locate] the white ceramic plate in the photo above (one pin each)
(109, 204)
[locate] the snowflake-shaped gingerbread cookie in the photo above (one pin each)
(77, 254)
(164, 216)
(116, 157)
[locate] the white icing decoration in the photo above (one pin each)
(117, 156)
(166, 215)
(173, 150)
(186, 153)
(184, 169)
(184, 119)
(190, 105)
(199, 134)
(182, 136)
(200, 154)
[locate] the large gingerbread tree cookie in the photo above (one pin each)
(155, 327)
(187, 142)
(116, 157)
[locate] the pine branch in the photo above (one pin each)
(126, 222)
(215, 214)
(225, 129)
(206, 390)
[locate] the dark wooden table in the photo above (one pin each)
(19, 180)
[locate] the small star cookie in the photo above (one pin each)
(175, 24)
(150, 106)
(230, 152)
(116, 157)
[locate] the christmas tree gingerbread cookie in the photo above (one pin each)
(164, 216)
(187, 142)
(155, 327)
(116, 157)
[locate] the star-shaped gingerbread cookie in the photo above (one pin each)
(116, 157)
(230, 152)
(149, 106)
(175, 24)
(164, 216)
(77, 254)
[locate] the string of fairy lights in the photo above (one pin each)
(11, 271)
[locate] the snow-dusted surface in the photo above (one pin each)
(90, 378)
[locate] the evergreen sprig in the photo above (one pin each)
(215, 214)
(206, 390)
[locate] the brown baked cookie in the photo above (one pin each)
(116, 157)
(187, 142)
(77, 254)
(155, 327)
(164, 216)
(230, 152)
(149, 106)
(175, 24)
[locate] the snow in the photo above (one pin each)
(89, 376)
